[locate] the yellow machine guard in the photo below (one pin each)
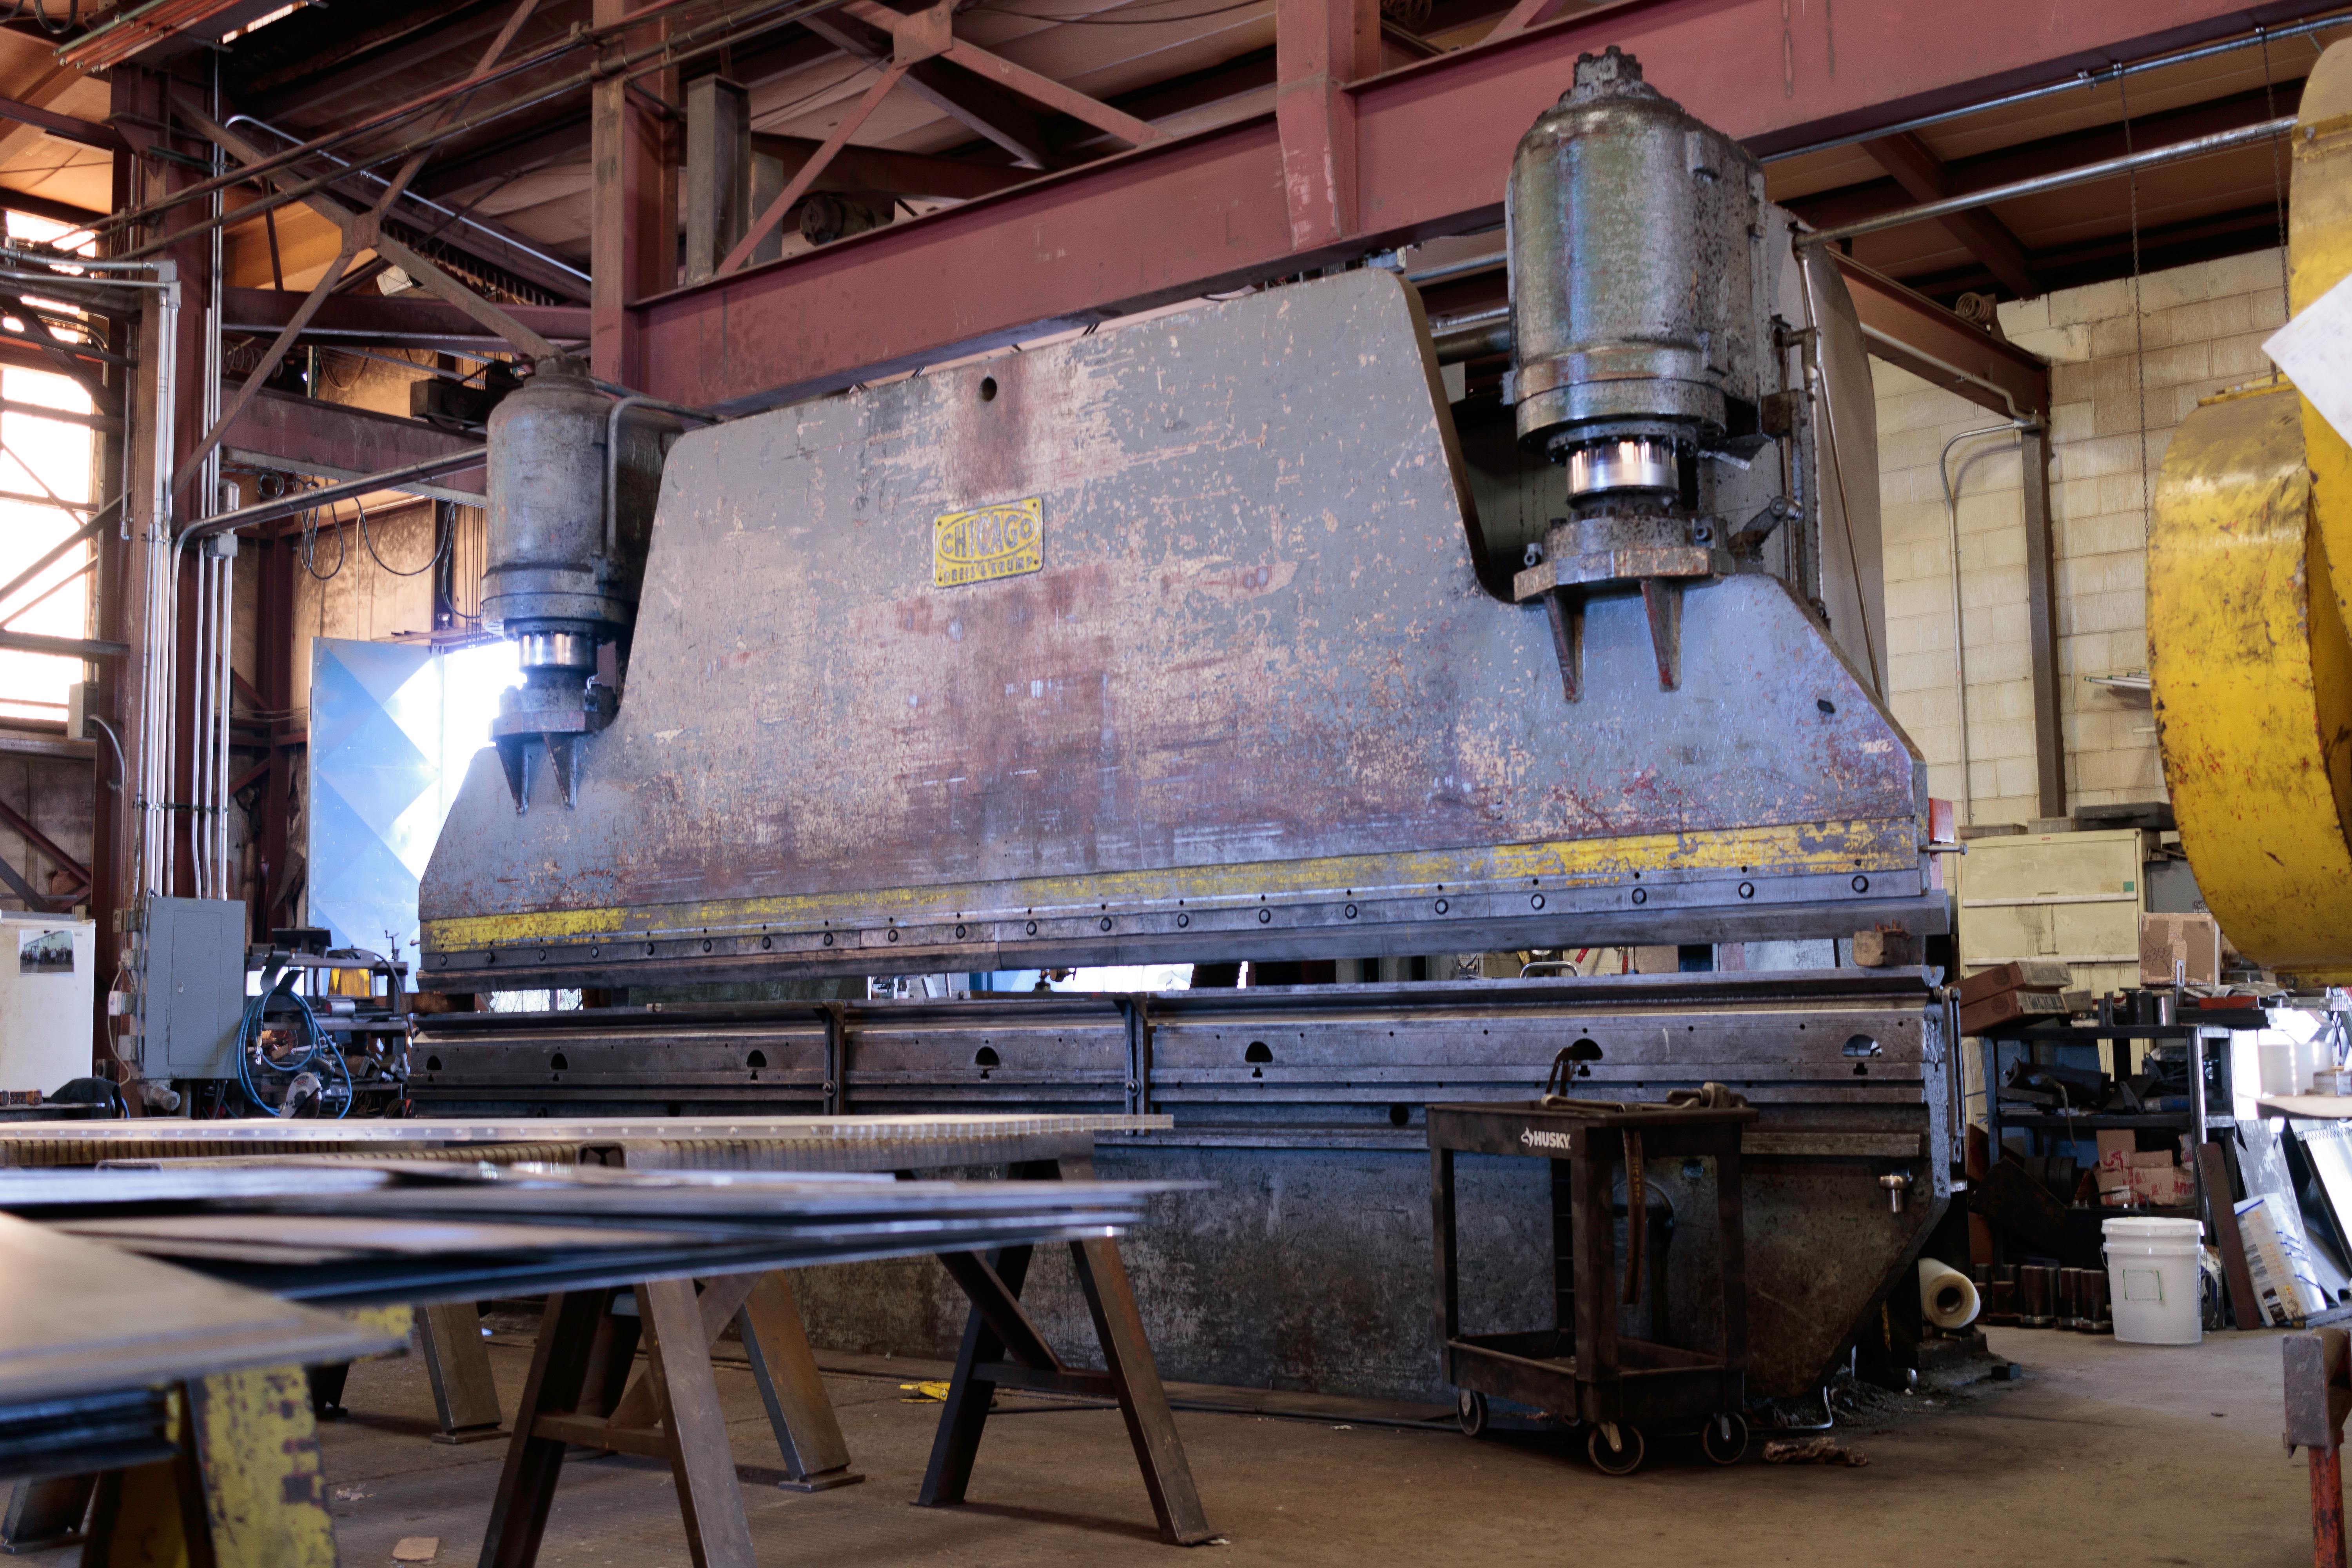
(2250, 557)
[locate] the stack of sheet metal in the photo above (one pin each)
(190, 1254)
(88, 1334)
(354, 1232)
(925, 1143)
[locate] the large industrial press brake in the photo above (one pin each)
(1191, 640)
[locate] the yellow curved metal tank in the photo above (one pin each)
(2250, 555)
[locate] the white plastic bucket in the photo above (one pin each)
(2153, 1284)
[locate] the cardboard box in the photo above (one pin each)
(2116, 1146)
(2009, 1008)
(2162, 1186)
(2150, 1157)
(2020, 974)
(2278, 1256)
(2187, 946)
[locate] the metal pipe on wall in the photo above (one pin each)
(1960, 641)
(224, 683)
(2082, 82)
(157, 690)
(2104, 169)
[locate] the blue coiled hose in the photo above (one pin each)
(248, 1033)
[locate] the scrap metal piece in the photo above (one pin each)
(2318, 1377)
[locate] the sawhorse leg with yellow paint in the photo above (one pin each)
(244, 1484)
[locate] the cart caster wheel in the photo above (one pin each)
(1470, 1409)
(1725, 1439)
(1622, 1459)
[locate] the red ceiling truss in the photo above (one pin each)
(1430, 146)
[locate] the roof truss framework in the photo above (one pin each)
(1431, 146)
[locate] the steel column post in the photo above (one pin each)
(141, 99)
(632, 209)
(1320, 47)
(273, 644)
(718, 172)
(2041, 624)
(111, 808)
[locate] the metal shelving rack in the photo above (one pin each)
(2199, 1119)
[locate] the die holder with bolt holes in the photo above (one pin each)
(1585, 1368)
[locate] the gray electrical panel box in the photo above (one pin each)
(191, 987)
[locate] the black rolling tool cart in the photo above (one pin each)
(1583, 1368)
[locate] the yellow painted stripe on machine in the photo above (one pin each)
(1788, 849)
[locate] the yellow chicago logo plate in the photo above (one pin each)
(989, 542)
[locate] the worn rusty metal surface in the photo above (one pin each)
(1255, 695)
(1634, 259)
(1307, 1264)
(256, 1446)
(2253, 672)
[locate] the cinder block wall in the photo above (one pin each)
(2201, 330)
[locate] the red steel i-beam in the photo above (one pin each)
(1433, 146)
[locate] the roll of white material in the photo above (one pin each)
(1947, 1298)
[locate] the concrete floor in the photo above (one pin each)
(2104, 1453)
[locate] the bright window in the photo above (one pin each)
(40, 457)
